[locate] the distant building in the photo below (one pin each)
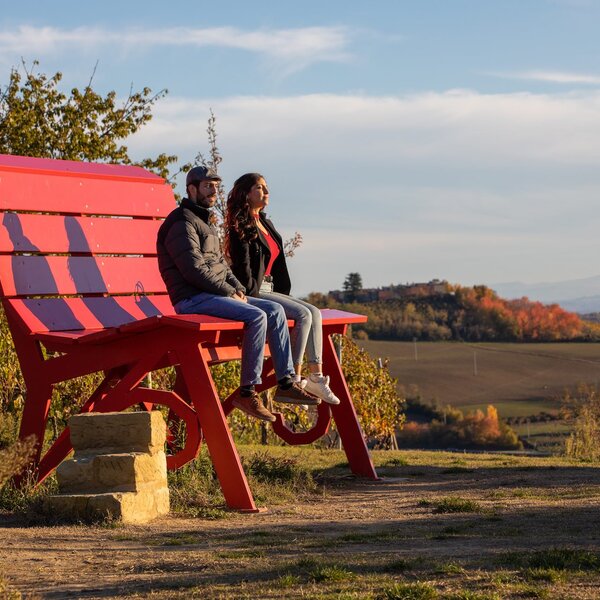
(435, 287)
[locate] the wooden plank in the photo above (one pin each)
(83, 195)
(202, 322)
(29, 164)
(41, 315)
(21, 232)
(341, 317)
(58, 275)
(75, 314)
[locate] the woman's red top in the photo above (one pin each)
(273, 246)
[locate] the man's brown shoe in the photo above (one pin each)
(295, 395)
(253, 406)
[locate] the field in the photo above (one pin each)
(440, 526)
(520, 380)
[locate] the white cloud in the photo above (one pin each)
(458, 185)
(558, 77)
(294, 48)
(459, 128)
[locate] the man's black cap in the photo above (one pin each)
(198, 174)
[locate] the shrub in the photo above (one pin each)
(582, 409)
(475, 430)
(374, 394)
(14, 458)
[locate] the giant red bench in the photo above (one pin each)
(82, 293)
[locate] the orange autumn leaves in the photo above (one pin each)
(522, 319)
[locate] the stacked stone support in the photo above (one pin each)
(118, 470)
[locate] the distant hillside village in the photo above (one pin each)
(435, 287)
(438, 310)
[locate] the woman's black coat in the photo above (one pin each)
(249, 260)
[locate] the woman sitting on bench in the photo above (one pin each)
(255, 249)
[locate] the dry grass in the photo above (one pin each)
(14, 458)
(443, 525)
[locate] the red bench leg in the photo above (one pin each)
(221, 447)
(35, 416)
(345, 416)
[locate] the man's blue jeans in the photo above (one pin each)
(263, 320)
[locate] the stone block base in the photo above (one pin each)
(129, 507)
(131, 472)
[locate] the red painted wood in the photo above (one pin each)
(60, 275)
(131, 335)
(23, 232)
(83, 319)
(72, 314)
(340, 317)
(218, 438)
(185, 413)
(83, 195)
(26, 165)
(345, 415)
(317, 431)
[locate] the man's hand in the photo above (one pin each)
(239, 295)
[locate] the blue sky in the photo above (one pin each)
(405, 140)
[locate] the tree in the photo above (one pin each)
(352, 285)
(37, 119)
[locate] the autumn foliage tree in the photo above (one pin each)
(522, 319)
(38, 119)
(468, 314)
(475, 430)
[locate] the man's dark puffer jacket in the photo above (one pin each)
(189, 256)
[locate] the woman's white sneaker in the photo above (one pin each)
(318, 385)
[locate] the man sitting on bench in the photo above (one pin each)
(200, 281)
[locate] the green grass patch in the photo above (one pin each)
(544, 574)
(237, 554)
(330, 573)
(528, 590)
(287, 581)
(559, 559)
(195, 490)
(409, 591)
(28, 499)
(273, 477)
(398, 565)
(450, 568)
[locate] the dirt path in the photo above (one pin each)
(363, 527)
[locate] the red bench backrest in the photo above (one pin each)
(78, 243)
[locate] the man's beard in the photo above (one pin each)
(206, 201)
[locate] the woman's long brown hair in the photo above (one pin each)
(238, 220)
